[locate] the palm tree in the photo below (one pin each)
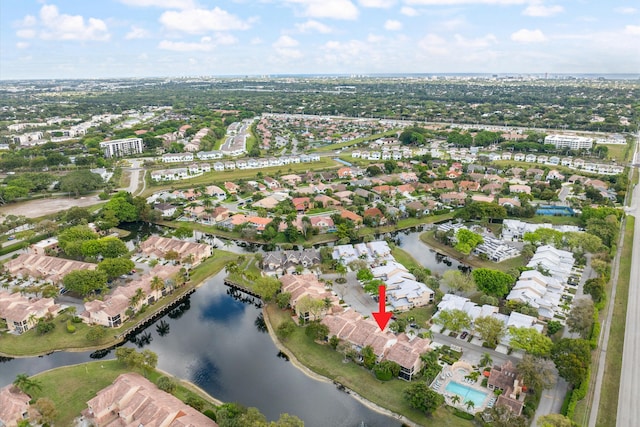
(156, 284)
(232, 267)
(469, 404)
(26, 384)
(455, 399)
(486, 360)
(137, 297)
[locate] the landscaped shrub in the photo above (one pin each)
(76, 319)
(209, 413)
(195, 402)
(166, 384)
(70, 328)
(382, 374)
(464, 415)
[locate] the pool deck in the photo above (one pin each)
(458, 374)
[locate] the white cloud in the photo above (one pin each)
(409, 11)
(374, 38)
(540, 10)
(51, 25)
(202, 46)
(163, 4)
(136, 33)
(632, 30)
(528, 36)
(198, 21)
(476, 43)
(433, 44)
(312, 26)
(453, 24)
(256, 40)
(384, 4)
(335, 9)
(22, 45)
(284, 47)
(625, 10)
(206, 43)
(462, 2)
(393, 25)
(26, 33)
(285, 41)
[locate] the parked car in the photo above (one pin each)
(464, 335)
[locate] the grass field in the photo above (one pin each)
(71, 387)
(329, 363)
(617, 152)
(613, 365)
(345, 144)
(404, 258)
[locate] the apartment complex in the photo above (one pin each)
(122, 147)
(569, 141)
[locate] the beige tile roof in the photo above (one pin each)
(13, 403)
(133, 401)
(47, 267)
(15, 307)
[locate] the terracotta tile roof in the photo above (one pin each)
(13, 404)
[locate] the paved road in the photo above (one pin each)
(629, 395)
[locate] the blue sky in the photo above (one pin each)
(139, 38)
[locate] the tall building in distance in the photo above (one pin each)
(570, 141)
(122, 147)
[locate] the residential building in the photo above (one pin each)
(21, 313)
(507, 379)
(307, 286)
(573, 142)
(158, 247)
(132, 400)
(122, 147)
(14, 406)
(177, 157)
(51, 269)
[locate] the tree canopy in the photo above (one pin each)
(85, 282)
(454, 320)
(572, 358)
(467, 240)
(422, 398)
(492, 282)
(80, 182)
(530, 341)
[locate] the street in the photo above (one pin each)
(629, 394)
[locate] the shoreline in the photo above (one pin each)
(121, 336)
(314, 375)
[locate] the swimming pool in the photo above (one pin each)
(467, 393)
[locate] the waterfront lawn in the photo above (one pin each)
(71, 387)
(32, 343)
(211, 266)
(420, 315)
(474, 261)
(613, 365)
(404, 258)
(329, 363)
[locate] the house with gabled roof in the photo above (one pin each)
(14, 406)
(21, 313)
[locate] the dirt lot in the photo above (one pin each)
(41, 207)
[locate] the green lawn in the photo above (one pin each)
(617, 152)
(428, 239)
(71, 387)
(404, 258)
(329, 363)
(340, 145)
(613, 365)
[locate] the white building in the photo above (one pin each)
(122, 147)
(569, 141)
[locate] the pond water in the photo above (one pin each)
(436, 262)
(219, 343)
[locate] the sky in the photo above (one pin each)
(175, 38)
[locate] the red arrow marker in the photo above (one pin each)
(382, 317)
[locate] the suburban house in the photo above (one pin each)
(112, 311)
(21, 313)
(14, 406)
(541, 292)
(132, 400)
(165, 209)
(284, 262)
(51, 269)
(158, 247)
(307, 285)
(406, 352)
(506, 379)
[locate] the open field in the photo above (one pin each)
(329, 363)
(71, 387)
(607, 411)
(41, 207)
(404, 258)
(345, 144)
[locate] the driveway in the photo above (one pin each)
(353, 294)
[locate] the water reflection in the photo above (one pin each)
(163, 328)
(261, 326)
(218, 345)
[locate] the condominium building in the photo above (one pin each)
(569, 141)
(122, 147)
